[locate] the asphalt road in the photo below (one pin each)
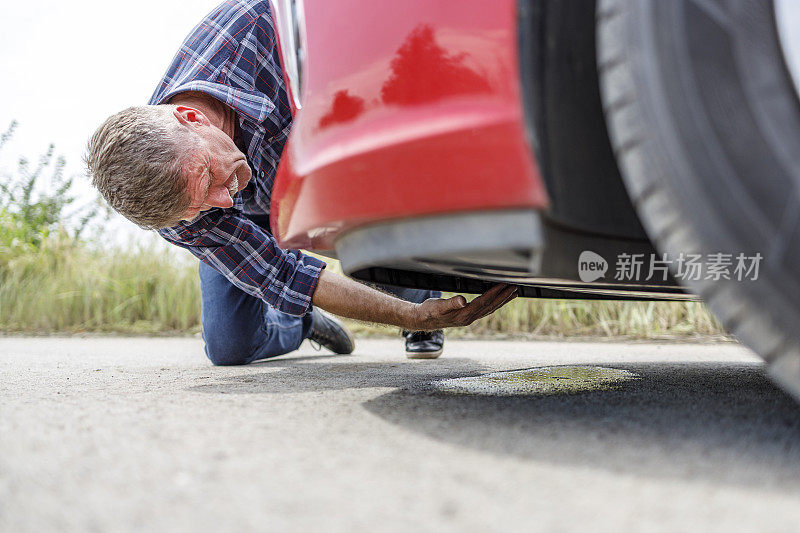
(111, 434)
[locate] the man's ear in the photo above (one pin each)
(189, 116)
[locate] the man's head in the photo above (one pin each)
(158, 165)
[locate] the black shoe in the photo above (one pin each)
(424, 344)
(330, 333)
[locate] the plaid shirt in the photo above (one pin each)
(232, 56)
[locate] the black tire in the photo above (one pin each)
(705, 123)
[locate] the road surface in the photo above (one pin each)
(133, 434)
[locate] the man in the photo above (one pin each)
(198, 164)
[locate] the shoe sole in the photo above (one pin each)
(424, 355)
(349, 336)
(344, 329)
(352, 341)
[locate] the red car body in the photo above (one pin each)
(454, 144)
(425, 120)
(411, 155)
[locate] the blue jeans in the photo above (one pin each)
(239, 328)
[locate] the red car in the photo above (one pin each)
(626, 149)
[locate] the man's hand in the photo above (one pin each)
(438, 313)
(348, 298)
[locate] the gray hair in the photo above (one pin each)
(135, 159)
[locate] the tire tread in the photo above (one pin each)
(617, 21)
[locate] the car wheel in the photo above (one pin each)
(704, 117)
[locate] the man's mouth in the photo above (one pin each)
(233, 185)
(240, 178)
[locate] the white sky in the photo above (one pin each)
(66, 65)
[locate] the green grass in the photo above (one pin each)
(70, 287)
(576, 318)
(63, 287)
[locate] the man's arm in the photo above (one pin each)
(348, 298)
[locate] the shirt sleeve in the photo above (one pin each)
(249, 257)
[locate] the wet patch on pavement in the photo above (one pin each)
(537, 381)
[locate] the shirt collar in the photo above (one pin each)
(251, 106)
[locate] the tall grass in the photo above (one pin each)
(570, 318)
(55, 276)
(64, 286)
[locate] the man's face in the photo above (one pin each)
(218, 172)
